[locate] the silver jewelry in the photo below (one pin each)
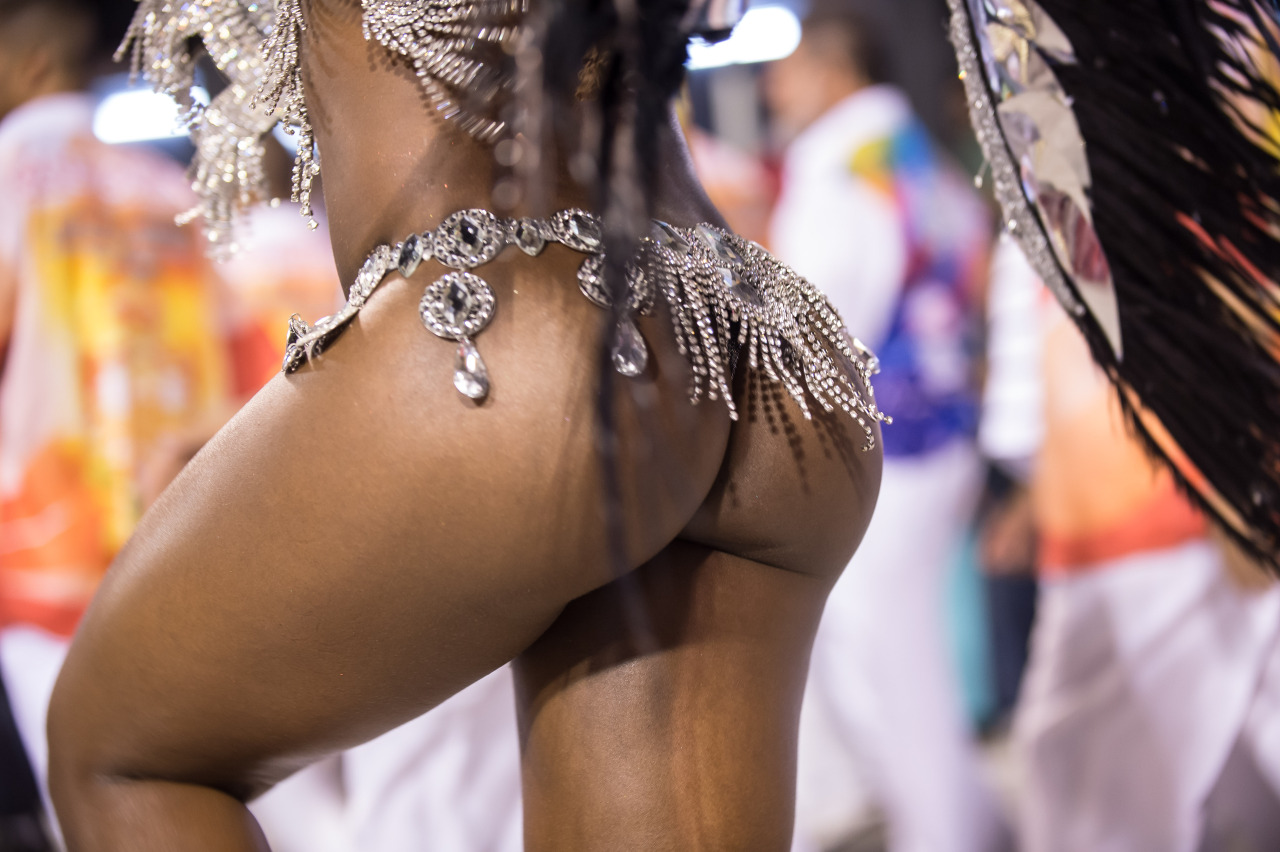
(459, 50)
(725, 295)
(226, 172)
(1029, 133)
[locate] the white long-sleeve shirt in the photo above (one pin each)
(833, 228)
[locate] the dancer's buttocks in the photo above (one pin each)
(706, 325)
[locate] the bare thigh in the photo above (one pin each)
(356, 546)
(660, 712)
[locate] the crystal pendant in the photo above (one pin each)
(630, 354)
(470, 376)
(410, 255)
(458, 305)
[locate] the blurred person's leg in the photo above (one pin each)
(1262, 728)
(1011, 602)
(1007, 547)
(882, 700)
(21, 820)
(1141, 678)
(448, 780)
(29, 662)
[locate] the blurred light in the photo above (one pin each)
(765, 33)
(136, 115)
(289, 141)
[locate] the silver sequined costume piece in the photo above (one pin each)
(725, 295)
(457, 48)
(1031, 138)
(227, 170)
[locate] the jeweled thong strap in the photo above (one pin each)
(725, 294)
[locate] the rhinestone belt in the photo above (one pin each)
(725, 295)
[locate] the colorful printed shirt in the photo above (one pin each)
(114, 361)
(899, 240)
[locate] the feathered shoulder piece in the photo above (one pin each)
(1134, 150)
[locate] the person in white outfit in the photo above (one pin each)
(871, 213)
(1156, 651)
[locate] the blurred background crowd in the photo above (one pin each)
(1040, 645)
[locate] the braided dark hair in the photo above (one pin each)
(620, 62)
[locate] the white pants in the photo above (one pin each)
(882, 717)
(1144, 674)
(447, 781)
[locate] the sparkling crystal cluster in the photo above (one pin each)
(459, 49)
(227, 170)
(725, 296)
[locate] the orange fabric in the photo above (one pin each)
(1165, 521)
(54, 549)
(256, 354)
(282, 269)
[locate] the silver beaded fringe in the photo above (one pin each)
(726, 295)
(458, 48)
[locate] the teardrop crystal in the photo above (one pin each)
(470, 376)
(630, 354)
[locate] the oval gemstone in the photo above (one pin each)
(459, 302)
(410, 255)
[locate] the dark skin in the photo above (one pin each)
(361, 542)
